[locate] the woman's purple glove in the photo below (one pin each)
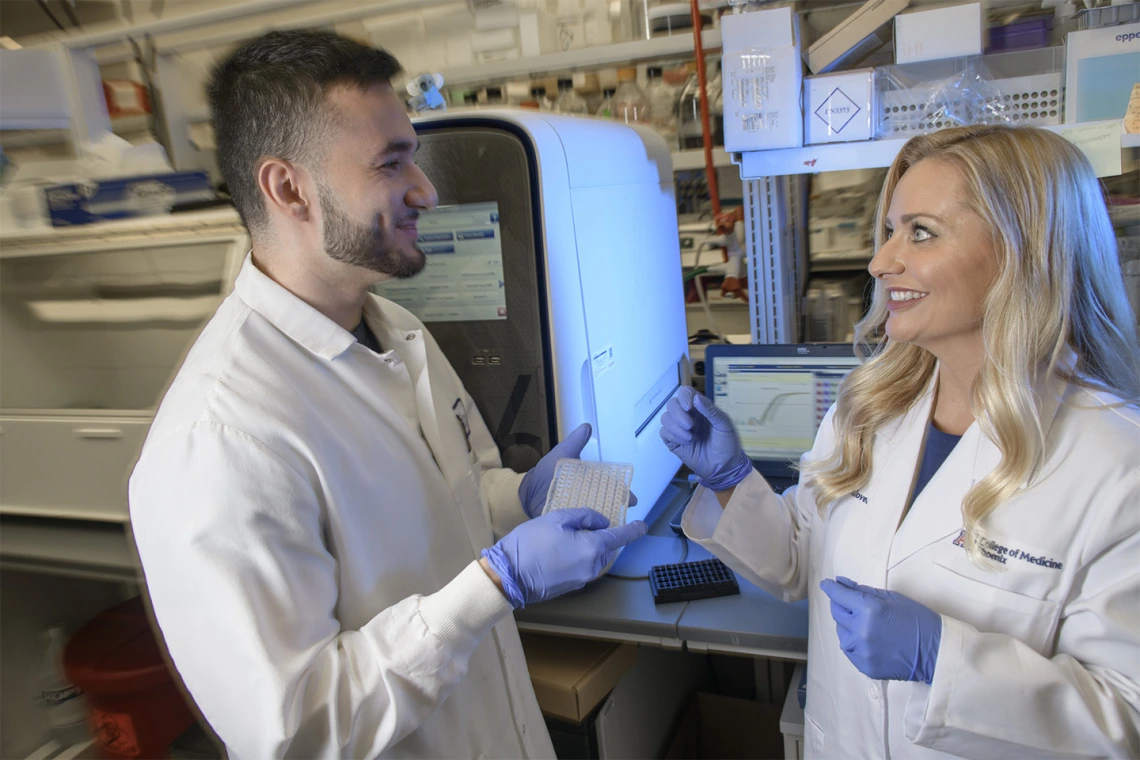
(885, 635)
(703, 437)
(557, 552)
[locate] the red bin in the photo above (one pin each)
(136, 709)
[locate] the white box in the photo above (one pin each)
(762, 73)
(855, 37)
(839, 107)
(952, 32)
(1100, 69)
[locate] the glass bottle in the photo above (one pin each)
(689, 132)
(630, 104)
(716, 107)
(662, 99)
(538, 94)
(606, 107)
(64, 702)
(569, 101)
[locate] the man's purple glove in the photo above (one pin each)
(885, 635)
(536, 483)
(557, 552)
(703, 437)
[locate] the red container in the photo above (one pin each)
(136, 709)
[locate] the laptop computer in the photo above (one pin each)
(776, 396)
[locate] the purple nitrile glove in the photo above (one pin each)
(557, 552)
(886, 635)
(703, 437)
(536, 483)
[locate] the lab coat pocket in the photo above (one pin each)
(815, 741)
(992, 609)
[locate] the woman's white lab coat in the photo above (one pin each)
(310, 554)
(1039, 658)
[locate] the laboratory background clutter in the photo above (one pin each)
(769, 124)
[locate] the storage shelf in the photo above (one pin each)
(731, 303)
(688, 160)
(868, 154)
(584, 58)
(75, 548)
(840, 265)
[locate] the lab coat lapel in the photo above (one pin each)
(434, 399)
(897, 451)
(937, 512)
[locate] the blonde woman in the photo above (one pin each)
(967, 524)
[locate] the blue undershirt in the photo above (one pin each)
(938, 447)
(366, 338)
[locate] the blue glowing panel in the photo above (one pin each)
(463, 278)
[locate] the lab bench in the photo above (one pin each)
(620, 605)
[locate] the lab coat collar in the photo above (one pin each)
(937, 512)
(289, 314)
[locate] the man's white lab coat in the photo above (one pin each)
(310, 555)
(1040, 657)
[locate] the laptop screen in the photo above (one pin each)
(777, 395)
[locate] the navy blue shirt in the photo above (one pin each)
(938, 447)
(366, 338)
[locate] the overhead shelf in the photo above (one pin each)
(689, 160)
(584, 58)
(74, 548)
(868, 154)
(718, 303)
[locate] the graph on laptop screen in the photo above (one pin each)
(777, 395)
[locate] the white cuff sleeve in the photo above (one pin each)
(463, 612)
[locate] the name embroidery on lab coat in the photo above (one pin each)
(998, 553)
(860, 497)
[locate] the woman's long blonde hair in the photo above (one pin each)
(1058, 288)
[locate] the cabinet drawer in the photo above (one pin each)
(73, 467)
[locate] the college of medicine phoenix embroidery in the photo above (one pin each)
(998, 553)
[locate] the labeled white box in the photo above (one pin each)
(839, 107)
(952, 32)
(762, 72)
(1101, 66)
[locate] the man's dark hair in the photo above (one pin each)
(268, 99)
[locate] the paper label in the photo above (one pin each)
(603, 361)
(1100, 142)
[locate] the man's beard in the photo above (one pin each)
(360, 245)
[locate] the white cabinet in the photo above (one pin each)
(92, 329)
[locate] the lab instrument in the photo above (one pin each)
(553, 218)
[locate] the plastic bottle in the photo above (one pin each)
(569, 101)
(64, 702)
(606, 107)
(662, 98)
(689, 132)
(630, 104)
(494, 96)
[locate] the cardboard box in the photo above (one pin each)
(855, 37)
(1100, 69)
(571, 677)
(715, 727)
(124, 197)
(839, 107)
(952, 32)
(763, 77)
